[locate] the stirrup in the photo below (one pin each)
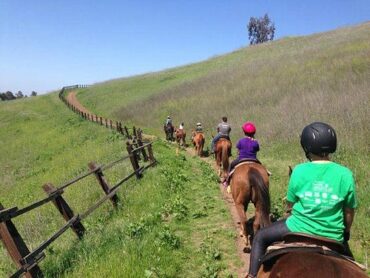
(250, 276)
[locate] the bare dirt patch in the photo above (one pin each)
(72, 99)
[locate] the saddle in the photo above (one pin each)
(226, 137)
(242, 162)
(305, 243)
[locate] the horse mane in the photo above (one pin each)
(256, 180)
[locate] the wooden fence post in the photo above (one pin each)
(103, 183)
(150, 153)
(16, 247)
(133, 159)
(64, 209)
(134, 131)
(110, 124)
(140, 143)
(127, 132)
(106, 122)
(101, 120)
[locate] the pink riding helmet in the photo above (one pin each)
(249, 128)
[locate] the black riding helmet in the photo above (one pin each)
(319, 138)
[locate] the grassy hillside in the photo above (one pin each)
(281, 86)
(170, 223)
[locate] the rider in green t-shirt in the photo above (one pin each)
(321, 196)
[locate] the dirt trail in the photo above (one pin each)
(72, 99)
(244, 257)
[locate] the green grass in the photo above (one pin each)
(281, 86)
(171, 223)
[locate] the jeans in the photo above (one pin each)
(265, 237)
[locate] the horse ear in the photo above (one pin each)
(290, 170)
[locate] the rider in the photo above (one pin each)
(321, 195)
(223, 130)
(247, 147)
(199, 128)
(168, 121)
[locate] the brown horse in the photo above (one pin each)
(180, 135)
(198, 142)
(307, 265)
(222, 151)
(250, 183)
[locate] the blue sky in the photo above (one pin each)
(45, 45)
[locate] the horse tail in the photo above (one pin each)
(263, 195)
(225, 157)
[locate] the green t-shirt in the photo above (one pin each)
(320, 192)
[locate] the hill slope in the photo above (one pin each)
(281, 86)
(168, 223)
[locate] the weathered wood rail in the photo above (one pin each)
(138, 152)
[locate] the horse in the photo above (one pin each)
(169, 129)
(307, 265)
(198, 142)
(180, 135)
(250, 183)
(222, 151)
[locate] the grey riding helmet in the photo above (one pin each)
(319, 138)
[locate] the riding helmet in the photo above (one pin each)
(319, 138)
(249, 128)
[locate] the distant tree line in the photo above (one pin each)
(8, 95)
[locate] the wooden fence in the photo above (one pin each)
(108, 123)
(27, 261)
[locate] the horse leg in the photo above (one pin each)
(243, 225)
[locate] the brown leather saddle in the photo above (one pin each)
(305, 243)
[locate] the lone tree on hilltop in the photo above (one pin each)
(260, 29)
(33, 94)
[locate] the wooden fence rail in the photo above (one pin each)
(108, 123)
(26, 261)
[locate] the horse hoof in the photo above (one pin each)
(247, 249)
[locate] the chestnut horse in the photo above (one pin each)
(307, 265)
(222, 151)
(180, 135)
(198, 142)
(250, 183)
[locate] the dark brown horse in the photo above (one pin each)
(250, 183)
(222, 151)
(198, 142)
(180, 135)
(168, 130)
(307, 265)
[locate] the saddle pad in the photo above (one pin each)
(242, 162)
(278, 249)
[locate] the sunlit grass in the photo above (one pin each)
(158, 228)
(281, 86)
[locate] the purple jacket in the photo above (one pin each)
(248, 148)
